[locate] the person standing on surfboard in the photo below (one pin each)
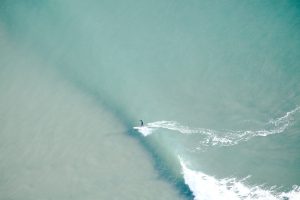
(142, 123)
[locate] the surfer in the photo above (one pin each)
(142, 123)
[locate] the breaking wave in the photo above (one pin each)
(205, 187)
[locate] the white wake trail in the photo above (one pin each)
(224, 137)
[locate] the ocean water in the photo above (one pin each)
(217, 84)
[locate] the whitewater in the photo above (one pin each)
(224, 137)
(217, 85)
(207, 187)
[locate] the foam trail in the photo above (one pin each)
(149, 128)
(225, 137)
(205, 187)
(285, 118)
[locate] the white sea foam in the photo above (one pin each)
(225, 137)
(205, 187)
(170, 125)
(149, 128)
(145, 130)
(284, 119)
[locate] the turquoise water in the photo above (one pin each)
(216, 83)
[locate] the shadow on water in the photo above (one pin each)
(159, 164)
(162, 167)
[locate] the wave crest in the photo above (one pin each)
(205, 187)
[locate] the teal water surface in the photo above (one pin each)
(216, 83)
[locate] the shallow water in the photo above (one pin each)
(216, 83)
(58, 143)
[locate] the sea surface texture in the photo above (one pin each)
(217, 84)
